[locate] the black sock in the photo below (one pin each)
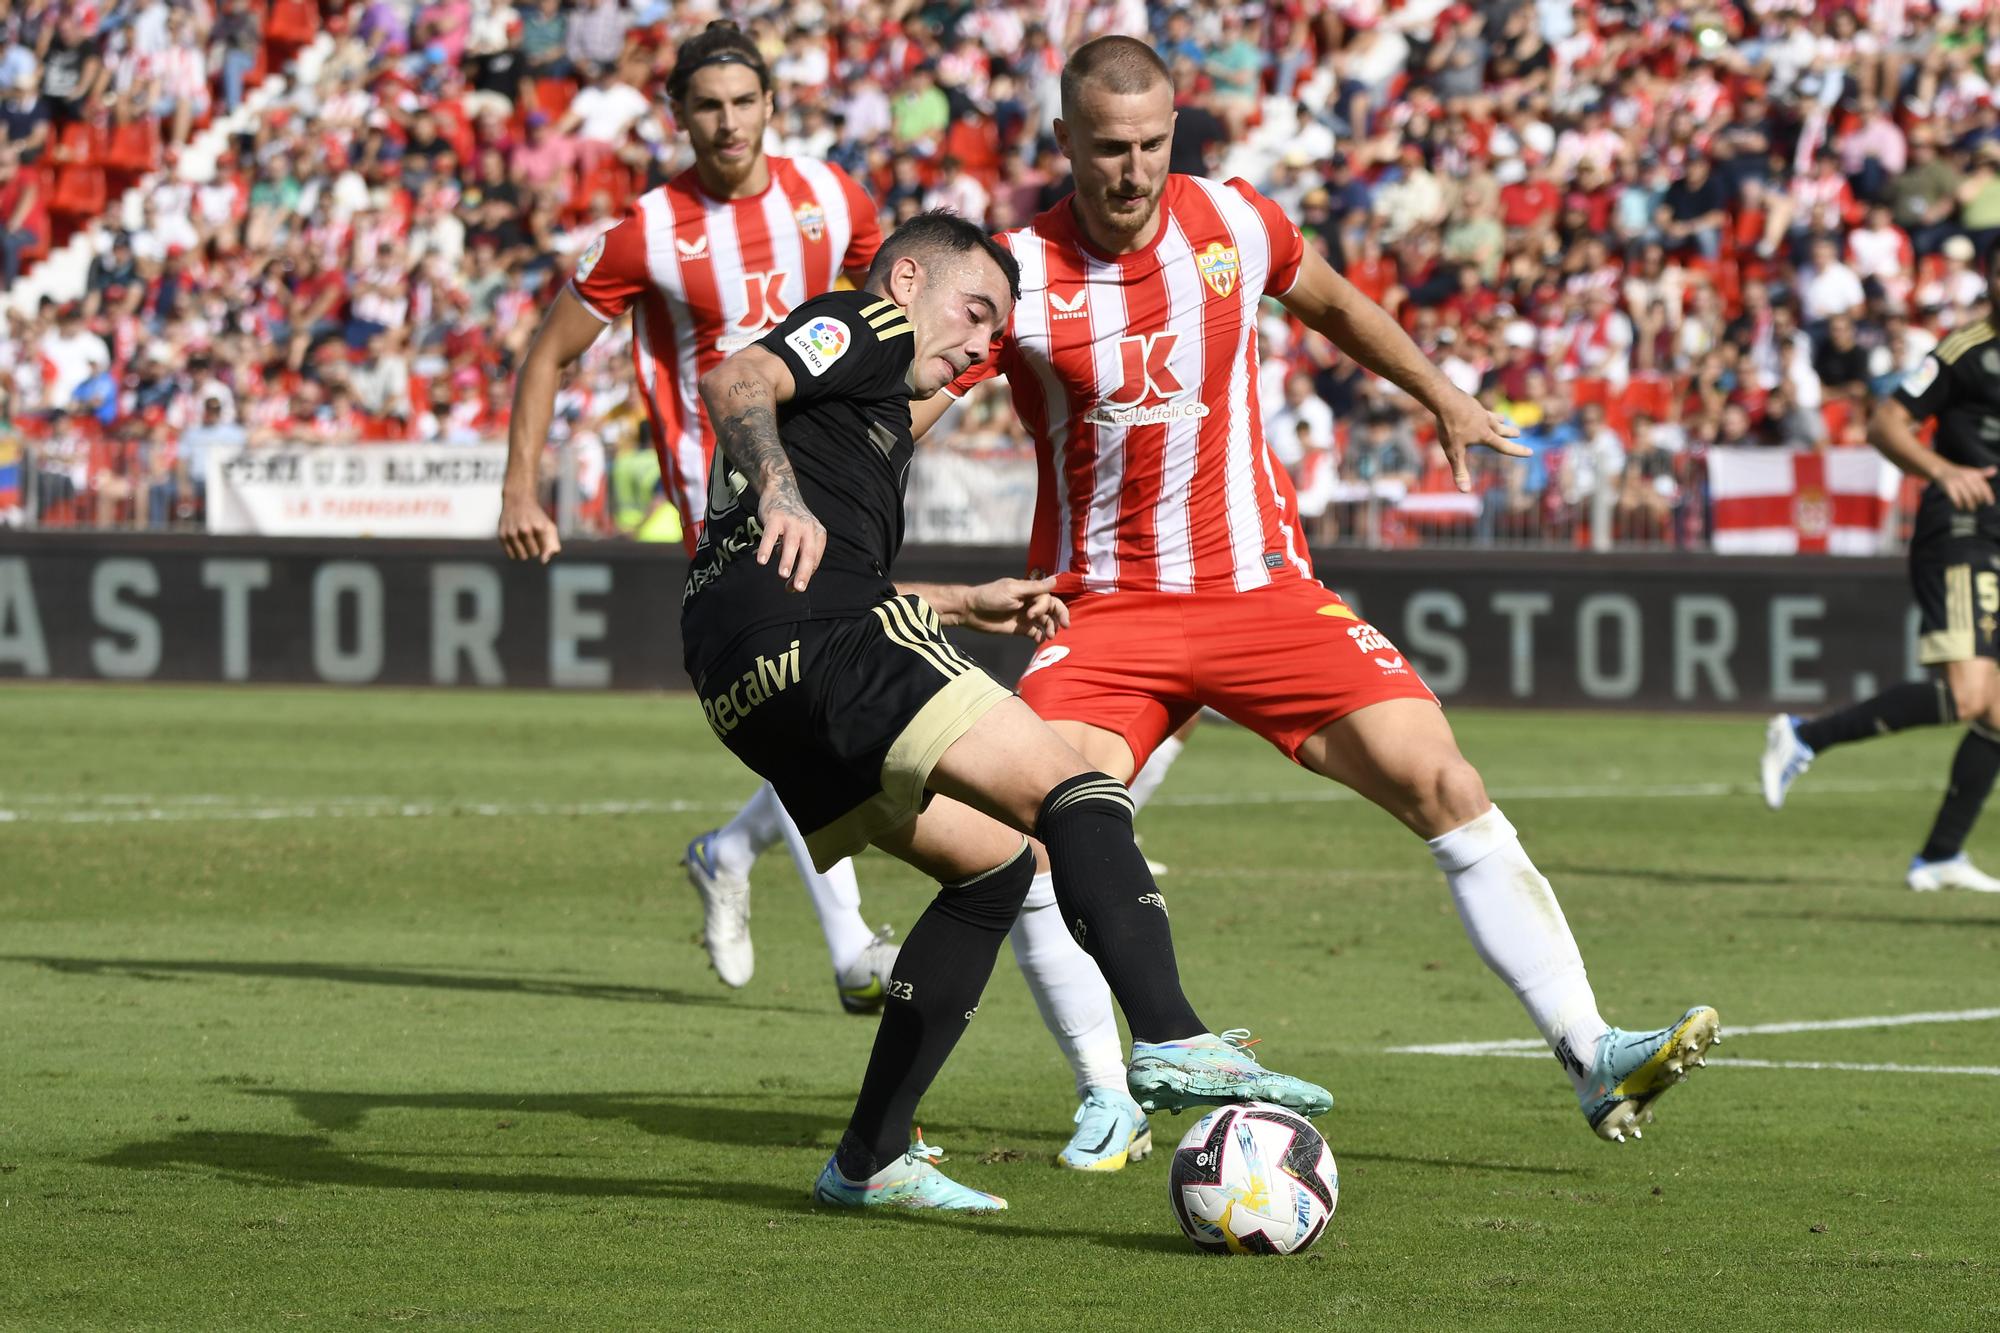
(934, 990)
(1972, 772)
(1916, 703)
(1107, 896)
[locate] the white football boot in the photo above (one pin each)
(1956, 873)
(725, 913)
(1786, 759)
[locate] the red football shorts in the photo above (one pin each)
(1283, 660)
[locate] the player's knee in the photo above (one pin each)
(1972, 696)
(992, 900)
(1087, 796)
(1449, 795)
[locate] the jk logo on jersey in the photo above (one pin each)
(1148, 378)
(763, 300)
(1218, 267)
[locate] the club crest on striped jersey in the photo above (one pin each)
(1218, 267)
(812, 220)
(589, 259)
(820, 343)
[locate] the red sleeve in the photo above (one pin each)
(1288, 248)
(866, 237)
(612, 273)
(975, 375)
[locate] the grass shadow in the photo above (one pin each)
(308, 1161)
(1879, 918)
(1457, 1164)
(1658, 875)
(724, 1118)
(167, 969)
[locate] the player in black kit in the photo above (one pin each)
(841, 689)
(1955, 571)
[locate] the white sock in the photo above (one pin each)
(1149, 778)
(1517, 929)
(756, 826)
(1069, 990)
(835, 897)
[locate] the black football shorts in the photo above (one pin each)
(846, 718)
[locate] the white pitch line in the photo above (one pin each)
(1510, 1045)
(129, 808)
(1725, 1062)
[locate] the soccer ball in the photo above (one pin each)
(1253, 1179)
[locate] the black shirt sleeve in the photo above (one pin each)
(1926, 391)
(845, 344)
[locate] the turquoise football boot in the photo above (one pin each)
(1111, 1130)
(1209, 1070)
(1634, 1069)
(911, 1181)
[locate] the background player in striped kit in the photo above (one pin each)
(707, 264)
(1132, 356)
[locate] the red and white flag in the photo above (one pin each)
(1801, 502)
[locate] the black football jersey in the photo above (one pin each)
(846, 432)
(1959, 385)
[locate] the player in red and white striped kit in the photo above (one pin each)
(706, 264)
(1132, 357)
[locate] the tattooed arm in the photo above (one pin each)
(742, 395)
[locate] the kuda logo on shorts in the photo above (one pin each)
(726, 709)
(1049, 656)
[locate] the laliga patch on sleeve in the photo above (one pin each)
(590, 258)
(820, 343)
(1921, 378)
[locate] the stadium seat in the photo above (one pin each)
(1651, 394)
(553, 96)
(80, 193)
(289, 27)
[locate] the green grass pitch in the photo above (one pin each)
(327, 1009)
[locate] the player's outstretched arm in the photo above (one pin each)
(567, 331)
(1892, 430)
(1028, 607)
(742, 395)
(1328, 303)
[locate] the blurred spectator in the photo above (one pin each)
(20, 207)
(1302, 422)
(1727, 219)
(595, 34)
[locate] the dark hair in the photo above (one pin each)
(721, 43)
(943, 232)
(1119, 64)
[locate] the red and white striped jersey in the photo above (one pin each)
(704, 277)
(1137, 376)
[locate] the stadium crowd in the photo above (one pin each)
(1642, 231)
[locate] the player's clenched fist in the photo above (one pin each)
(526, 532)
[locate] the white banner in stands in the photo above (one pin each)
(361, 490)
